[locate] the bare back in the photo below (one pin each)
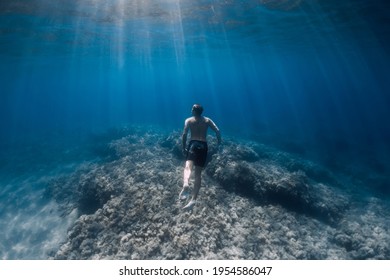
(198, 127)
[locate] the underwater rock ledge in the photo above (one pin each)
(253, 205)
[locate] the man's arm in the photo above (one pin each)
(216, 130)
(184, 136)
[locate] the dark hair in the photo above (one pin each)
(198, 109)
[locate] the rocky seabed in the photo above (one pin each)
(256, 202)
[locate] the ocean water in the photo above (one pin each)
(307, 77)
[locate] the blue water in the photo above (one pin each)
(310, 77)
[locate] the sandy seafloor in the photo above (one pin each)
(118, 199)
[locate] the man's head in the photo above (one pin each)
(197, 110)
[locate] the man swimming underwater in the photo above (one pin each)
(196, 152)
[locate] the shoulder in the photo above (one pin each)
(208, 120)
(189, 120)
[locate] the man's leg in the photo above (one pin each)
(186, 178)
(198, 181)
(187, 172)
(198, 174)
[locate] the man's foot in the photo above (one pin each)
(184, 193)
(190, 205)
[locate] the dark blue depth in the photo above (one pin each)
(306, 76)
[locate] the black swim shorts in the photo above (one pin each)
(197, 152)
